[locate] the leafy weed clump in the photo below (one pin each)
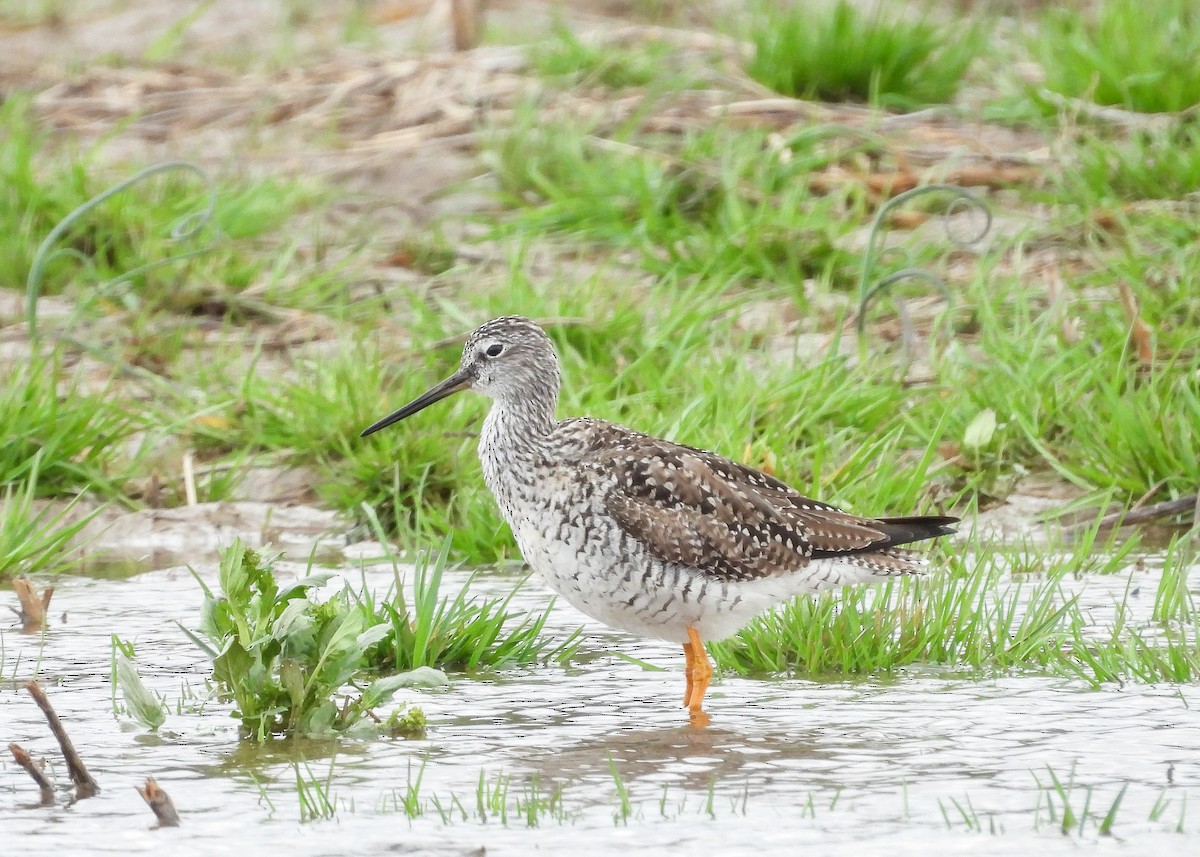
(286, 659)
(294, 665)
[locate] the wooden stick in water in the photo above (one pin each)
(1142, 514)
(160, 802)
(36, 769)
(33, 606)
(85, 786)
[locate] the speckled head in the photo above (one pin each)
(508, 359)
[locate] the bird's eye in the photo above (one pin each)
(494, 349)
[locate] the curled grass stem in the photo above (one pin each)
(184, 228)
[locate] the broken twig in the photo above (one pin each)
(1141, 339)
(1151, 512)
(466, 20)
(160, 802)
(36, 768)
(85, 786)
(33, 606)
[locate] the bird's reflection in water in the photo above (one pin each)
(683, 755)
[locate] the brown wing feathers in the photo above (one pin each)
(699, 509)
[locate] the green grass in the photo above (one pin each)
(315, 795)
(995, 610)
(496, 801)
(19, 14)
(422, 482)
(839, 53)
(717, 205)
(32, 540)
(503, 799)
(681, 270)
(698, 283)
(1060, 805)
(133, 231)
(1141, 56)
(51, 423)
(568, 59)
(1058, 799)
(427, 628)
(1150, 164)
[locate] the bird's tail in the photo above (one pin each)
(915, 528)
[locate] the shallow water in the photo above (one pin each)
(842, 767)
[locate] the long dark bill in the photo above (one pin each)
(457, 381)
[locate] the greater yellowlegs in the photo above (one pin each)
(653, 537)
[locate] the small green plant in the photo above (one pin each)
(317, 801)
(1110, 817)
(1173, 599)
(140, 703)
(427, 629)
(491, 797)
(1059, 799)
(283, 658)
(1162, 803)
(409, 801)
(624, 806)
(966, 812)
(840, 53)
(534, 803)
(1123, 52)
(170, 44)
(407, 723)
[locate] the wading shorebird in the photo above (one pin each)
(645, 535)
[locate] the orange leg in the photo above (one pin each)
(699, 673)
(689, 664)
